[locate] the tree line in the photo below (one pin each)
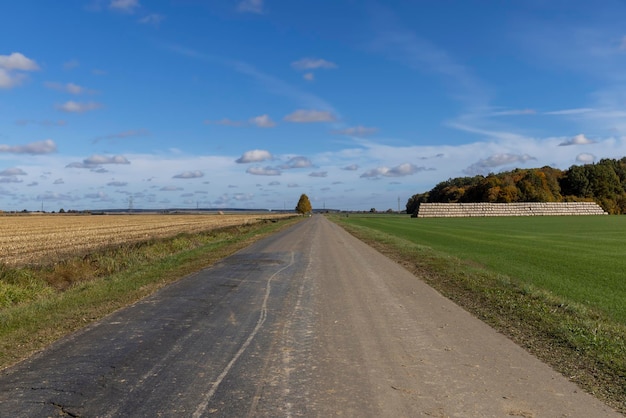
(603, 182)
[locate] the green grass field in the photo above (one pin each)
(579, 258)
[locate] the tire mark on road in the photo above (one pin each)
(202, 407)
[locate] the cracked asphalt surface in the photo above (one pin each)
(307, 322)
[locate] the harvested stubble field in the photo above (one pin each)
(37, 239)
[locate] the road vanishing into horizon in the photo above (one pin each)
(307, 322)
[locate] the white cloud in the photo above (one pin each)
(297, 162)
(401, 170)
(126, 6)
(117, 183)
(97, 159)
(189, 175)
(312, 64)
(318, 174)
(351, 167)
(8, 80)
(263, 171)
(251, 6)
(585, 158)
(309, 116)
(580, 139)
(10, 67)
(12, 172)
(254, 156)
(17, 61)
(356, 131)
(309, 76)
(46, 146)
(263, 121)
(78, 107)
(485, 165)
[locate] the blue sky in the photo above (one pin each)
(250, 103)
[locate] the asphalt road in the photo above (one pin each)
(308, 322)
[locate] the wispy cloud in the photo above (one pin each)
(263, 121)
(67, 88)
(125, 6)
(78, 107)
(393, 40)
(514, 112)
(71, 64)
(306, 64)
(500, 135)
(272, 84)
(152, 19)
(486, 165)
(250, 6)
(124, 134)
(578, 111)
(45, 122)
(47, 146)
(310, 116)
(358, 131)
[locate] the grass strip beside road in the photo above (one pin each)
(474, 263)
(131, 272)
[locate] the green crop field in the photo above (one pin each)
(579, 258)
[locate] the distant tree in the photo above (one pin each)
(304, 205)
(414, 202)
(61, 210)
(373, 210)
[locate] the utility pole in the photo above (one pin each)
(130, 204)
(398, 204)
